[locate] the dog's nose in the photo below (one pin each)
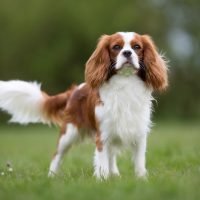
(127, 54)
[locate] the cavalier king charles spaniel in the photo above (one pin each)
(113, 106)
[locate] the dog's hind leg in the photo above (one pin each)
(70, 137)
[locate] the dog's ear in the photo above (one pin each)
(97, 67)
(155, 66)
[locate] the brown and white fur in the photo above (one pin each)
(112, 106)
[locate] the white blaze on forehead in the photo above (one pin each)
(127, 36)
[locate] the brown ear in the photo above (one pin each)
(97, 67)
(155, 66)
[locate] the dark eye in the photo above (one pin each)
(136, 47)
(116, 47)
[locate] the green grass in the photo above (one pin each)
(173, 162)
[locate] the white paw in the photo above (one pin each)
(101, 173)
(115, 172)
(51, 174)
(141, 173)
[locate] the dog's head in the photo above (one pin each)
(126, 50)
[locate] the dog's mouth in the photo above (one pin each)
(128, 68)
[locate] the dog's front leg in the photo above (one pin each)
(139, 156)
(101, 162)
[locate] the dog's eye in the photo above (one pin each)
(136, 47)
(116, 47)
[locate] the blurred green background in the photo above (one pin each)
(50, 41)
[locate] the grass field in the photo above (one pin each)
(173, 162)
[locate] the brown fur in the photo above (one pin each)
(97, 66)
(156, 69)
(81, 107)
(76, 106)
(73, 106)
(54, 106)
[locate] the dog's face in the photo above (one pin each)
(130, 50)
(124, 49)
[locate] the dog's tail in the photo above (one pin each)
(27, 103)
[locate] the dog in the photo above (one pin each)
(113, 105)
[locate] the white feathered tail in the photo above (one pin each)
(23, 101)
(27, 103)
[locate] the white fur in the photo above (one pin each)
(124, 121)
(81, 85)
(22, 100)
(121, 59)
(65, 142)
(101, 163)
(105, 163)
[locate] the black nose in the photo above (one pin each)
(127, 54)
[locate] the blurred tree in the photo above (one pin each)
(50, 41)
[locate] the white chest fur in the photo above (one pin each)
(125, 113)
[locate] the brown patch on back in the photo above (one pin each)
(76, 106)
(54, 106)
(80, 109)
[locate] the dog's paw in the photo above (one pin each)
(51, 174)
(142, 174)
(101, 174)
